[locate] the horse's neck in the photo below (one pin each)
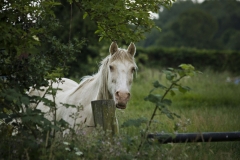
(94, 88)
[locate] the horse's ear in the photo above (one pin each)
(113, 48)
(131, 49)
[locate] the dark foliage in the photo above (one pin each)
(213, 24)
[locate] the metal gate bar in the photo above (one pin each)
(195, 137)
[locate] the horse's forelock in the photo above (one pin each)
(122, 55)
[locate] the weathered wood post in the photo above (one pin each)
(104, 115)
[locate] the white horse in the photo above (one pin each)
(113, 81)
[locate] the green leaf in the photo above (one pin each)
(48, 102)
(85, 15)
(70, 1)
(25, 100)
(167, 102)
(154, 98)
(167, 113)
(170, 75)
(97, 31)
(171, 69)
(183, 89)
(187, 67)
(181, 73)
(156, 84)
(100, 38)
(172, 93)
(176, 115)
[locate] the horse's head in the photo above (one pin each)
(121, 67)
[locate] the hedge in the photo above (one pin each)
(218, 60)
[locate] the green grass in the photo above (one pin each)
(212, 105)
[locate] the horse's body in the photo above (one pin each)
(113, 81)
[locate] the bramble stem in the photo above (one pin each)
(154, 113)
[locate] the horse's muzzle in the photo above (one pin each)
(122, 98)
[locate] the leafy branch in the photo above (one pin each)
(121, 20)
(173, 76)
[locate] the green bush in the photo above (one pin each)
(218, 60)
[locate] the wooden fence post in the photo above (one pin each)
(104, 115)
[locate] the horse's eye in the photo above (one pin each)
(111, 68)
(133, 70)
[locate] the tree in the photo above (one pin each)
(122, 20)
(99, 17)
(27, 27)
(195, 28)
(204, 25)
(73, 26)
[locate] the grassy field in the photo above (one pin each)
(212, 105)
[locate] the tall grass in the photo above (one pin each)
(212, 105)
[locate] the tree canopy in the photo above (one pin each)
(121, 20)
(213, 24)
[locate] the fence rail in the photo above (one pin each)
(104, 116)
(195, 137)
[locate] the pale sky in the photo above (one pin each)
(200, 1)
